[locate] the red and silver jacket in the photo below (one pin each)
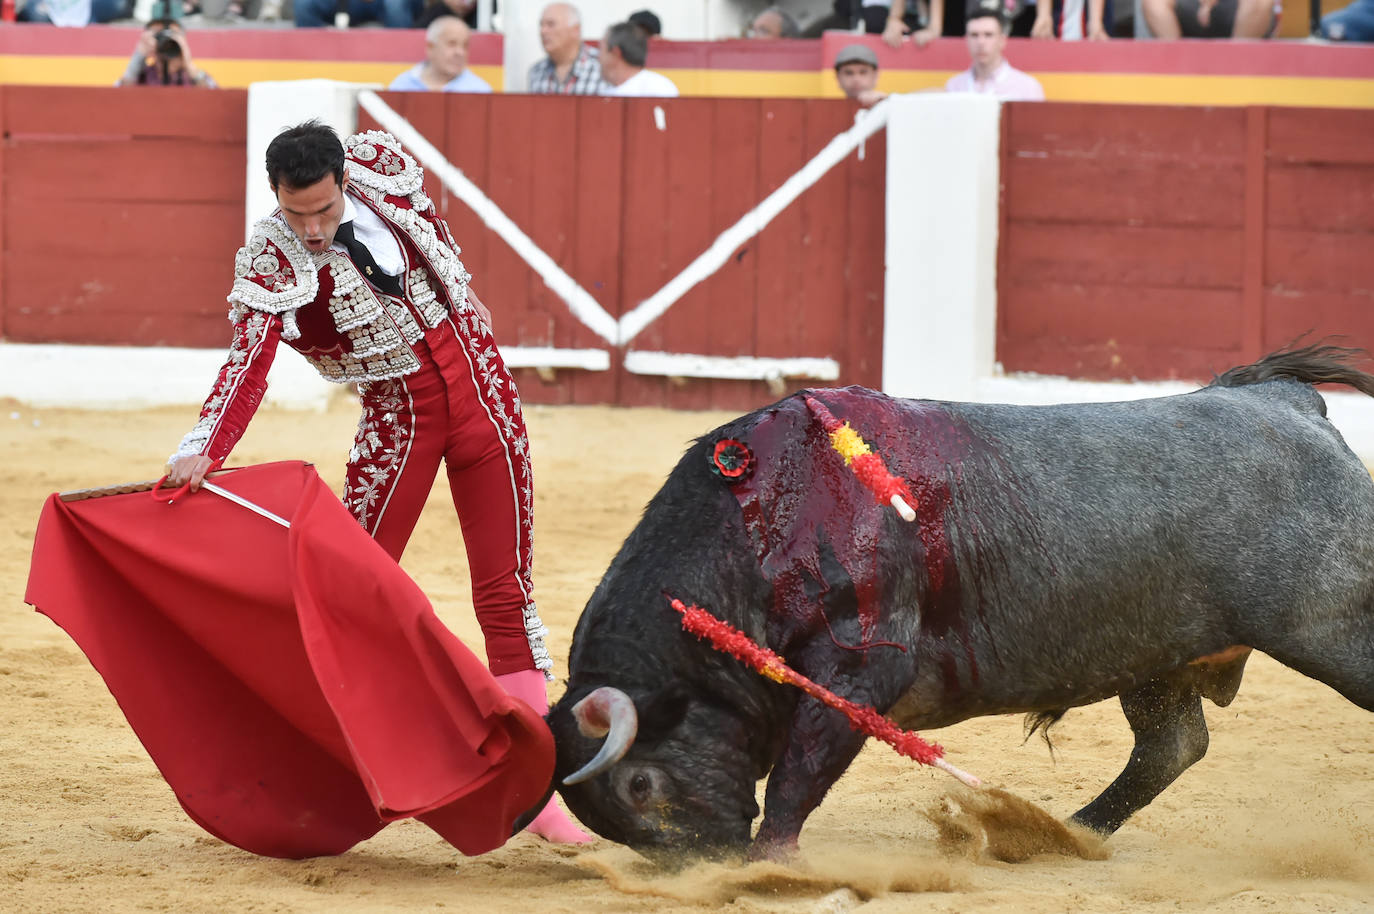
(321, 305)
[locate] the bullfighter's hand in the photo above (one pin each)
(481, 308)
(190, 469)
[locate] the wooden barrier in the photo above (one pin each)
(1163, 242)
(1145, 242)
(122, 211)
(624, 206)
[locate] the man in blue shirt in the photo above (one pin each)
(445, 67)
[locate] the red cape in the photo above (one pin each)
(294, 687)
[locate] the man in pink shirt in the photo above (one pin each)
(986, 33)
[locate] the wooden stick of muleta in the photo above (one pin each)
(870, 468)
(730, 640)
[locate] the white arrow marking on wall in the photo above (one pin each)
(583, 306)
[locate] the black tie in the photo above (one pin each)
(363, 260)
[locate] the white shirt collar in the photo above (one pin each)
(369, 228)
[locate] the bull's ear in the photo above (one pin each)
(661, 712)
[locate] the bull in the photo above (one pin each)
(1061, 555)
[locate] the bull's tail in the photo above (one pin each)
(1315, 364)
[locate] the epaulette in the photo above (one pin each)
(376, 161)
(275, 274)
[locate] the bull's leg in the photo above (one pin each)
(819, 749)
(1337, 650)
(1170, 735)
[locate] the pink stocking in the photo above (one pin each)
(552, 823)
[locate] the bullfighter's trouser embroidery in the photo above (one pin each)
(461, 407)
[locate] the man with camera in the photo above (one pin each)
(162, 57)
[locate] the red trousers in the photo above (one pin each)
(461, 407)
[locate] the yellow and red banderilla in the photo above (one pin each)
(868, 467)
(726, 638)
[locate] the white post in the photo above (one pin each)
(940, 293)
(521, 48)
(274, 106)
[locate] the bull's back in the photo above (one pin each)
(1098, 544)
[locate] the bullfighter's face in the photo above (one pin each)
(313, 212)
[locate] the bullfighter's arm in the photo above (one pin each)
(238, 389)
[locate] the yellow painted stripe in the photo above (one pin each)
(752, 83)
(1149, 88)
(236, 74)
(1140, 88)
(1155, 88)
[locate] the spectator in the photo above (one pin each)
(774, 23)
(571, 68)
(873, 14)
(465, 10)
(162, 57)
(647, 22)
(1072, 20)
(624, 51)
(1209, 18)
(73, 13)
(394, 14)
(225, 10)
(896, 24)
(856, 70)
(1354, 23)
(445, 67)
(986, 29)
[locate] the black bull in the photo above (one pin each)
(1061, 555)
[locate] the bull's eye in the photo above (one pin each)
(640, 785)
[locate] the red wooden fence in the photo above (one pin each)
(1157, 242)
(121, 213)
(623, 206)
(1136, 241)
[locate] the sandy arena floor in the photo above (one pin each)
(1278, 818)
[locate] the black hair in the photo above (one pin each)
(987, 9)
(303, 154)
(630, 40)
(648, 21)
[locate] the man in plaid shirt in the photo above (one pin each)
(571, 68)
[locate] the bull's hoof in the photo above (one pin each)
(778, 850)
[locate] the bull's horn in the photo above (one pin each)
(606, 712)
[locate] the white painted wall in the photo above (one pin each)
(940, 291)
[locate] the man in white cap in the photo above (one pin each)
(856, 70)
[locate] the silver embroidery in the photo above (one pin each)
(235, 364)
(390, 169)
(447, 268)
(380, 447)
(260, 284)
